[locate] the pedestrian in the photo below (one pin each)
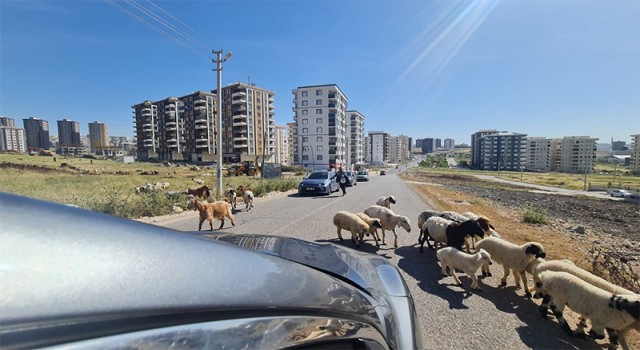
(341, 177)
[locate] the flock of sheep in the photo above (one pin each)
(559, 283)
(218, 209)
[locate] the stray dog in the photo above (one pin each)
(209, 211)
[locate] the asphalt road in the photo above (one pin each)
(451, 317)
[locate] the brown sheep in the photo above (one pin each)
(201, 192)
(209, 211)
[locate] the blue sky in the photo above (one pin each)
(441, 69)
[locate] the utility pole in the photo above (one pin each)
(218, 61)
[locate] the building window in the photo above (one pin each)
(305, 139)
(318, 102)
(305, 149)
(319, 139)
(318, 120)
(318, 92)
(305, 103)
(305, 130)
(304, 94)
(305, 157)
(319, 130)
(319, 111)
(305, 112)
(305, 121)
(319, 157)
(319, 149)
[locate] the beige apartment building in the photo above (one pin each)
(538, 154)
(577, 154)
(282, 146)
(321, 136)
(12, 138)
(291, 136)
(98, 136)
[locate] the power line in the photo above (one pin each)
(207, 40)
(165, 23)
(139, 19)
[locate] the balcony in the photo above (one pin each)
(239, 117)
(172, 128)
(171, 123)
(240, 145)
(238, 94)
(203, 145)
(240, 124)
(200, 127)
(239, 101)
(201, 120)
(170, 113)
(240, 138)
(199, 102)
(200, 108)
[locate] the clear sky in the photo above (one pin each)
(442, 69)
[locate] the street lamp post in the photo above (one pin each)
(218, 61)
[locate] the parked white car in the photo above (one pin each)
(620, 193)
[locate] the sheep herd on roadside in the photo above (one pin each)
(559, 283)
(211, 209)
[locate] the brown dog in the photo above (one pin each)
(209, 211)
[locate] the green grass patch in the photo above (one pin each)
(533, 216)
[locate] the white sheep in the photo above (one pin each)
(373, 223)
(470, 264)
(247, 196)
(389, 221)
(386, 202)
(344, 220)
(605, 309)
(512, 257)
(540, 265)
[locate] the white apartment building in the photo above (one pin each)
(367, 146)
(291, 136)
(321, 137)
(538, 153)
(635, 154)
(398, 148)
(577, 154)
(378, 147)
(356, 138)
(13, 139)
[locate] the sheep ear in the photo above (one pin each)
(491, 227)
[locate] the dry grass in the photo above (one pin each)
(509, 225)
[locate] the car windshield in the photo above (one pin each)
(349, 173)
(318, 176)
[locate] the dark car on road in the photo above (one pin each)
(90, 280)
(318, 182)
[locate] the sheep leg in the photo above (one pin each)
(622, 338)
(557, 312)
(507, 271)
(486, 272)
(210, 218)
(443, 268)
(233, 221)
(340, 233)
(221, 223)
(383, 237)
(420, 236)
(523, 277)
(200, 224)
(544, 306)
(395, 240)
(466, 245)
(453, 273)
(613, 338)
(582, 324)
(474, 284)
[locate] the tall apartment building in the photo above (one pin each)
(503, 151)
(8, 122)
(449, 144)
(476, 159)
(378, 147)
(37, 131)
(356, 137)
(291, 136)
(68, 133)
(180, 128)
(282, 146)
(635, 154)
(577, 154)
(365, 151)
(428, 145)
(247, 120)
(13, 139)
(398, 148)
(321, 137)
(538, 154)
(98, 136)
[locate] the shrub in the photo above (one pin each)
(533, 216)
